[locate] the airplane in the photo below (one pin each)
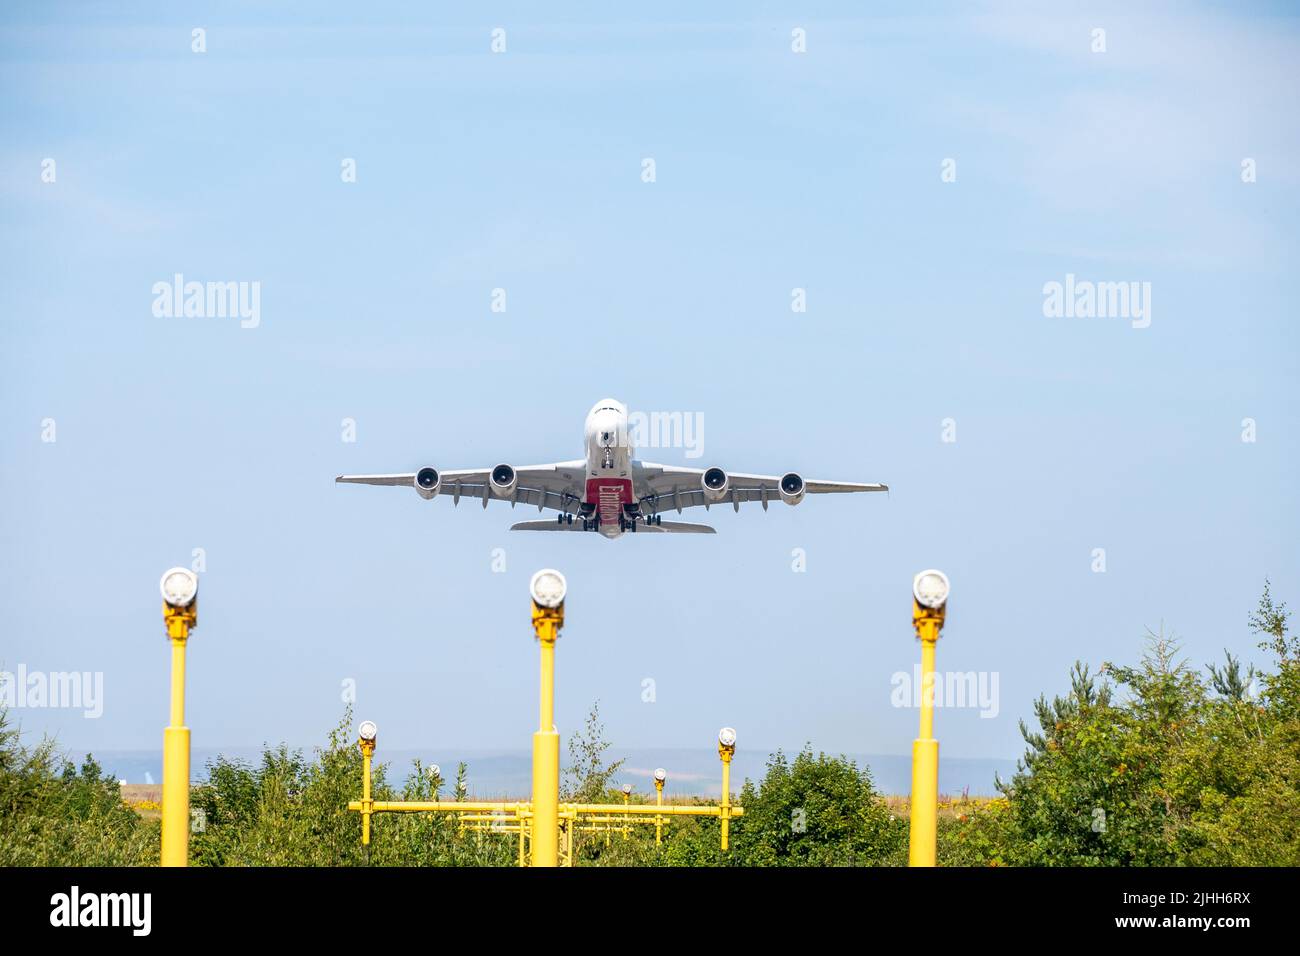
(610, 492)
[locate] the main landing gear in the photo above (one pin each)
(629, 522)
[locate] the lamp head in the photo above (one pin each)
(660, 775)
(180, 594)
(548, 588)
(929, 603)
(180, 587)
(726, 742)
(368, 734)
(930, 589)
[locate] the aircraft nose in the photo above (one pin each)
(605, 425)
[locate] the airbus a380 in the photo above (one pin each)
(609, 491)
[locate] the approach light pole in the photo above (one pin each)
(726, 750)
(367, 738)
(627, 796)
(660, 776)
(929, 607)
(180, 592)
(547, 589)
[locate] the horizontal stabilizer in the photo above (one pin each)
(677, 527)
(668, 527)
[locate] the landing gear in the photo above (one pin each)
(629, 521)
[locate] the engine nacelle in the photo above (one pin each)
(503, 481)
(428, 483)
(715, 483)
(792, 488)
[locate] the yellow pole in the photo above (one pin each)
(626, 798)
(925, 757)
(659, 820)
(176, 750)
(726, 795)
(546, 699)
(367, 804)
(546, 750)
(927, 689)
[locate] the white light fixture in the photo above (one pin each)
(727, 736)
(368, 731)
(930, 588)
(661, 774)
(179, 586)
(548, 588)
(435, 770)
(627, 789)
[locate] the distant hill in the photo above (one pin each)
(507, 774)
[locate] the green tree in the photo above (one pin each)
(290, 811)
(816, 811)
(1271, 623)
(1164, 768)
(1230, 681)
(587, 778)
(54, 814)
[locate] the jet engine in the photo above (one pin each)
(714, 481)
(792, 488)
(504, 481)
(427, 482)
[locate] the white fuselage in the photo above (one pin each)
(609, 485)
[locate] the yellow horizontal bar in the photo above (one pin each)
(629, 820)
(525, 810)
(649, 810)
(417, 806)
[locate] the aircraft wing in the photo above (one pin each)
(557, 486)
(674, 488)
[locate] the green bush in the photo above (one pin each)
(292, 812)
(52, 814)
(1156, 765)
(816, 811)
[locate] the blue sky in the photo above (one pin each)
(522, 170)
